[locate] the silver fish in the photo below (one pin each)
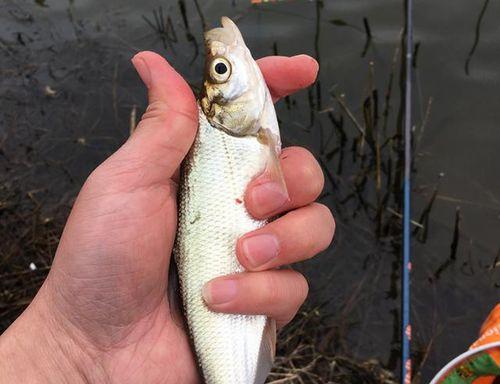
(238, 139)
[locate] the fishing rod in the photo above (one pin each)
(406, 267)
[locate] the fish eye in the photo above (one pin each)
(220, 70)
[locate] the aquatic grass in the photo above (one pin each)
(308, 352)
(163, 27)
(425, 215)
(189, 35)
(477, 36)
(453, 248)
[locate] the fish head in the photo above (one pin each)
(234, 94)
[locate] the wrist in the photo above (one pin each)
(38, 348)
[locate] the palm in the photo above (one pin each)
(120, 278)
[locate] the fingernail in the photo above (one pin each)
(142, 69)
(259, 249)
(219, 291)
(312, 60)
(268, 198)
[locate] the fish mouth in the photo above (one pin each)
(228, 34)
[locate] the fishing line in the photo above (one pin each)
(406, 267)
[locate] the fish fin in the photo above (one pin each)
(228, 33)
(267, 352)
(229, 24)
(273, 169)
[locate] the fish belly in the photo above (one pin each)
(212, 216)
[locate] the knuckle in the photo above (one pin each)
(317, 178)
(116, 174)
(302, 288)
(272, 289)
(312, 173)
(161, 112)
(307, 169)
(297, 291)
(309, 243)
(296, 287)
(327, 223)
(316, 230)
(157, 110)
(284, 291)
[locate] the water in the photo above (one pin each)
(67, 91)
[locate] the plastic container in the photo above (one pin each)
(481, 363)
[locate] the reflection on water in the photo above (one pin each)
(68, 93)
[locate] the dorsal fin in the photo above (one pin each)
(228, 34)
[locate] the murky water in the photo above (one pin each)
(67, 92)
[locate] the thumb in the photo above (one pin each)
(167, 129)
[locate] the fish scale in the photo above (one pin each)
(212, 217)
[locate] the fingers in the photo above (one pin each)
(297, 236)
(286, 75)
(166, 130)
(277, 294)
(304, 180)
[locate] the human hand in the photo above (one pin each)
(102, 315)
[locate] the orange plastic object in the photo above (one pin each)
(481, 364)
(490, 333)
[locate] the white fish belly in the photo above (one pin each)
(212, 216)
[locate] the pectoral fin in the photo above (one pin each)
(273, 169)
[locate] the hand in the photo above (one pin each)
(102, 315)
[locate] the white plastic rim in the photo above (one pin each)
(464, 356)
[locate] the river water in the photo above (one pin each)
(67, 91)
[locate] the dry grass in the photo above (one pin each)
(307, 354)
(29, 240)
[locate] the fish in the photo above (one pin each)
(238, 139)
